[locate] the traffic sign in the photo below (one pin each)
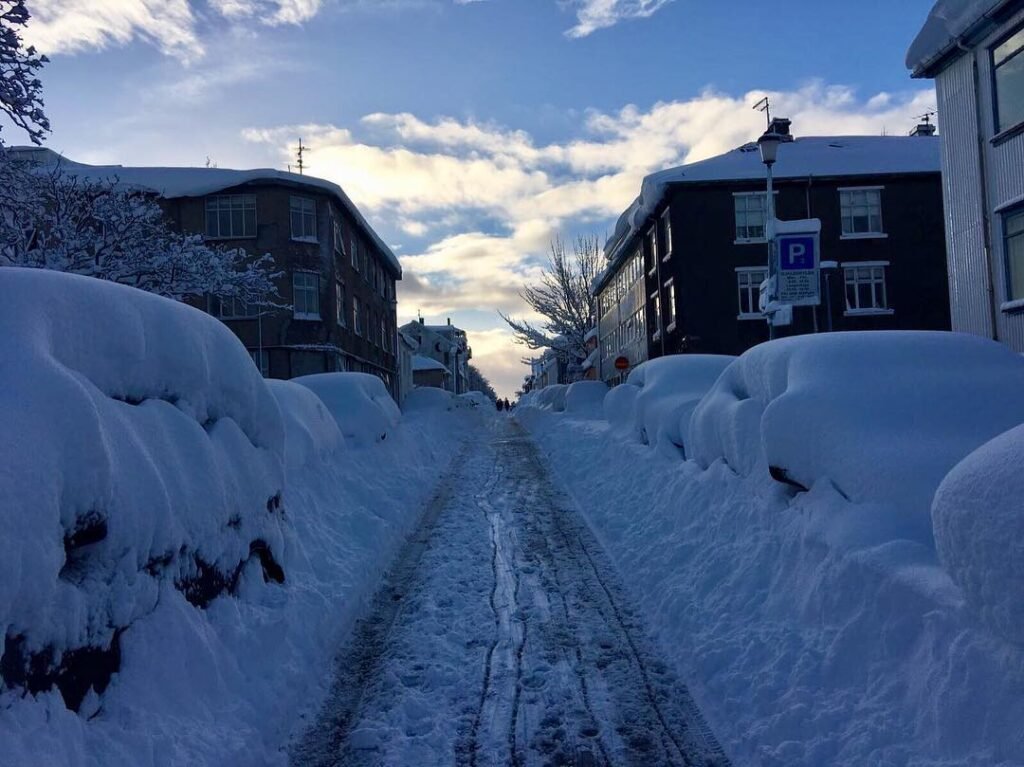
(799, 254)
(622, 363)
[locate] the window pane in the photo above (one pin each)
(1010, 92)
(224, 221)
(1008, 48)
(1015, 255)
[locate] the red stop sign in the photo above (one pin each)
(622, 363)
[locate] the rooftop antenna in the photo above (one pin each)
(765, 106)
(301, 152)
(926, 118)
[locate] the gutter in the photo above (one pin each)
(984, 24)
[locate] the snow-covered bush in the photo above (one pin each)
(883, 415)
(978, 515)
(551, 398)
(311, 433)
(620, 408)
(141, 458)
(359, 402)
(670, 388)
(586, 398)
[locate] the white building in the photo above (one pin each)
(974, 49)
(445, 344)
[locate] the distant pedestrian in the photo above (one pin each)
(500, 405)
(507, 405)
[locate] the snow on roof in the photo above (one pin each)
(172, 183)
(591, 334)
(948, 21)
(421, 363)
(818, 156)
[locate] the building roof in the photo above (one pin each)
(421, 363)
(817, 156)
(949, 22)
(172, 183)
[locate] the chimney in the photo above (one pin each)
(449, 320)
(780, 126)
(925, 128)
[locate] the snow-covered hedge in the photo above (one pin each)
(670, 388)
(882, 415)
(363, 408)
(586, 398)
(141, 450)
(978, 515)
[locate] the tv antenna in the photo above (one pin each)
(926, 118)
(765, 106)
(300, 154)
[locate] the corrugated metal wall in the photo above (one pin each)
(969, 294)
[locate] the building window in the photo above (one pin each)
(357, 324)
(231, 216)
(652, 243)
(303, 219)
(656, 297)
(339, 240)
(750, 216)
(1013, 237)
(861, 211)
(670, 286)
(339, 301)
(667, 219)
(355, 253)
(231, 308)
(1008, 76)
(306, 296)
(383, 335)
(748, 285)
(865, 288)
(261, 358)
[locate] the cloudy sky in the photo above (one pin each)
(470, 132)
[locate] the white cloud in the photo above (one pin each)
(71, 26)
(492, 198)
(592, 15)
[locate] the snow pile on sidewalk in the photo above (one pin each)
(359, 403)
(183, 545)
(669, 390)
(586, 398)
(816, 627)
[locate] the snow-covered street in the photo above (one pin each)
(503, 636)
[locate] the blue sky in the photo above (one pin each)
(471, 132)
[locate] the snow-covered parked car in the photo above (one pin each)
(359, 402)
(551, 398)
(884, 416)
(669, 389)
(586, 398)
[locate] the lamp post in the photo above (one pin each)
(769, 146)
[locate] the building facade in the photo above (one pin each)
(688, 258)
(976, 56)
(446, 345)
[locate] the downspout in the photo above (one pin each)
(983, 184)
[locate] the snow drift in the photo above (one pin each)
(882, 415)
(586, 398)
(360, 404)
(184, 544)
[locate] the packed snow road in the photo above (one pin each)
(503, 638)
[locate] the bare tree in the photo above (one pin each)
(20, 89)
(50, 219)
(564, 297)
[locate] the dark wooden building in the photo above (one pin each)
(695, 241)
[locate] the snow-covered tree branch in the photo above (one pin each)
(52, 219)
(564, 299)
(20, 89)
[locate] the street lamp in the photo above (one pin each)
(769, 146)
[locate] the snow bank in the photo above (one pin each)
(363, 408)
(428, 398)
(184, 546)
(477, 399)
(808, 630)
(551, 398)
(670, 388)
(586, 398)
(881, 415)
(620, 408)
(979, 532)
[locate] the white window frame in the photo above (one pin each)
(752, 286)
(310, 287)
(845, 203)
(357, 321)
(666, 217)
(746, 211)
(231, 204)
(339, 237)
(305, 209)
(851, 267)
(670, 286)
(656, 298)
(339, 300)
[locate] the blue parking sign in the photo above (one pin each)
(797, 253)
